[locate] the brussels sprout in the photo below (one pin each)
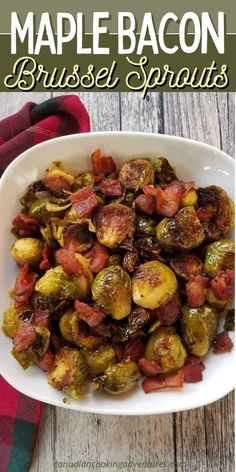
(111, 290)
(212, 231)
(70, 372)
(189, 199)
(27, 251)
(99, 359)
(25, 358)
(114, 260)
(42, 341)
(216, 302)
(137, 173)
(184, 231)
(199, 327)
(215, 198)
(219, 256)
(38, 209)
(65, 325)
(186, 265)
(164, 173)
(46, 232)
(11, 319)
(113, 223)
(55, 283)
(156, 325)
(121, 377)
(165, 347)
(55, 208)
(56, 169)
(77, 332)
(229, 324)
(79, 235)
(154, 284)
(84, 180)
(145, 225)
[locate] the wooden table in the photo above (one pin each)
(200, 440)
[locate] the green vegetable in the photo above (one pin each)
(114, 260)
(121, 377)
(165, 347)
(136, 174)
(27, 251)
(145, 225)
(215, 198)
(99, 359)
(25, 358)
(111, 290)
(219, 256)
(11, 319)
(113, 223)
(154, 284)
(55, 283)
(164, 173)
(42, 341)
(72, 331)
(199, 327)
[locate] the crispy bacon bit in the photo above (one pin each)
(149, 368)
(47, 361)
(102, 164)
(41, 318)
(98, 256)
(168, 198)
(24, 337)
(196, 290)
(24, 226)
(67, 260)
(56, 184)
(145, 204)
(45, 263)
(24, 286)
(193, 368)
(22, 220)
(164, 381)
(222, 343)
(134, 349)
(92, 316)
(119, 349)
(110, 188)
(223, 284)
(169, 312)
(206, 214)
(84, 201)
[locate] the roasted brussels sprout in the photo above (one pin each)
(77, 332)
(215, 199)
(216, 302)
(57, 169)
(55, 283)
(65, 325)
(121, 377)
(84, 180)
(153, 285)
(111, 290)
(113, 224)
(184, 231)
(38, 209)
(136, 174)
(70, 372)
(164, 173)
(219, 256)
(27, 251)
(165, 347)
(42, 341)
(79, 235)
(212, 231)
(11, 319)
(199, 327)
(99, 359)
(145, 225)
(114, 260)
(25, 358)
(190, 198)
(186, 265)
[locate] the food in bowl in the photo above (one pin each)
(123, 273)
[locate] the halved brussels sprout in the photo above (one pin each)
(113, 223)
(99, 359)
(85, 180)
(120, 378)
(65, 325)
(41, 344)
(219, 256)
(145, 225)
(199, 327)
(25, 358)
(165, 347)
(27, 251)
(164, 173)
(111, 290)
(38, 209)
(154, 284)
(79, 235)
(189, 199)
(70, 372)
(215, 198)
(184, 231)
(77, 332)
(55, 283)
(11, 319)
(185, 265)
(136, 174)
(216, 302)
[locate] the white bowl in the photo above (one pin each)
(194, 161)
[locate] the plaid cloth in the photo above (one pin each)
(19, 414)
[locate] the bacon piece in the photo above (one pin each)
(223, 284)
(102, 164)
(149, 368)
(164, 381)
(119, 349)
(24, 226)
(196, 290)
(45, 263)
(24, 286)
(206, 214)
(56, 184)
(47, 361)
(145, 204)
(222, 343)
(41, 318)
(24, 337)
(134, 349)
(22, 220)
(84, 201)
(193, 368)
(66, 258)
(92, 316)
(98, 256)
(169, 312)
(168, 198)
(110, 188)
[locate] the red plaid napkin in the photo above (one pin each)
(19, 414)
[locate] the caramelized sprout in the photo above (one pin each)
(113, 224)
(136, 174)
(165, 347)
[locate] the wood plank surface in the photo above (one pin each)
(200, 440)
